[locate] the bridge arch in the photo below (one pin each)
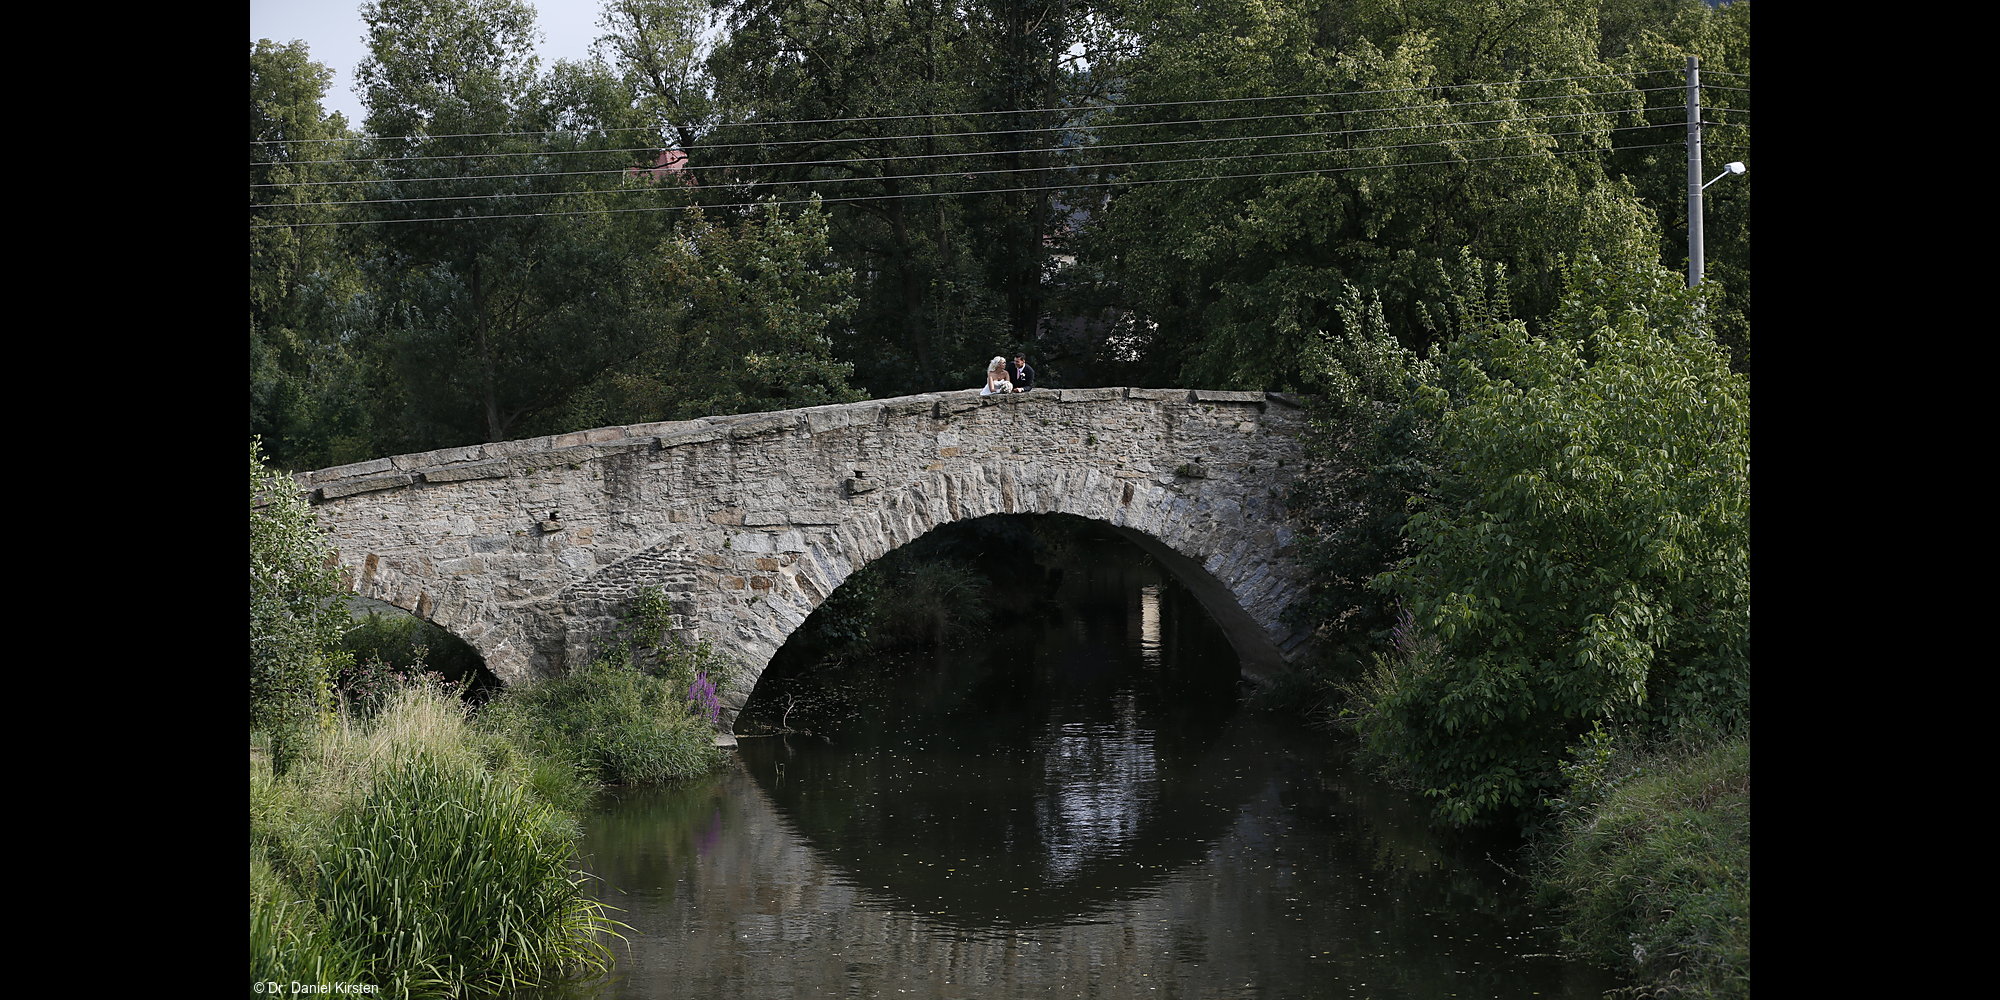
(530, 549)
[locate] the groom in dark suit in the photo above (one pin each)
(1020, 374)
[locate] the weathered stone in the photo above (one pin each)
(1224, 396)
(958, 402)
(698, 435)
(1085, 395)
(803, 511)
(462, 473)
(821, 419)
(371, 484)
(783, 421)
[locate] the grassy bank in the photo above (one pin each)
(1652, 865)
(427, 851)
(414, 851)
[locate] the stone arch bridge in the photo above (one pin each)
(530, 549)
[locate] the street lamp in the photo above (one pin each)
(1728, 170)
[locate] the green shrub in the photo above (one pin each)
(295, 615)
(457, 878)
(618, 723)
(1652, 864)
(1585, 552)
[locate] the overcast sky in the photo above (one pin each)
(332, 30)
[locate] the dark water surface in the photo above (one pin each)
(1077, 808)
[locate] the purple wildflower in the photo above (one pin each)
(702, 693)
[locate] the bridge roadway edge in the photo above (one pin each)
(747, 522)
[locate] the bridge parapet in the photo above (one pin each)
(529, 549)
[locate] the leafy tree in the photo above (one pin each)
(507, 288)
(1591, 559)
(296, 614)
(906, 110)
(1437, 127)
(305, 376)
(744, 327)
(657, 46)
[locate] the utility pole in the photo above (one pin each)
(1694, 171)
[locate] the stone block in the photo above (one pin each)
(910, 406)
(350, 487)
(1083, 395)
(763, 425)
(1224, 396)
(820, 419)
(367, 468)
(956, 403)
(700, 435)
(463, 473)
(443, 456)
(1164, 395)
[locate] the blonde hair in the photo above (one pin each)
(997, 365)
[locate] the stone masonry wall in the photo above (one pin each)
(529, 549)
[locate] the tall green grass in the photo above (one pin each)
(1652, 865)
(458, 878)
(420, 853)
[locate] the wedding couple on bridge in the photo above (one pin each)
(1003, 377)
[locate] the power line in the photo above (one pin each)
(774, 202)
(969, 174)
(969, 114)
(954, 135)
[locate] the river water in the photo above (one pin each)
(1078, 807)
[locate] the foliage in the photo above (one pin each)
(631, 715)
(503, 288)
(620, 724)
(749, 308)
(409, 646)
(1368, 451)
(288, 944)
(1145, 192)
(1428, 129)
(411, 850)
(306, 376)
(658, 47)
(403, 870)
(950, 265)
(1652, 863)
(1652, 40)
(296, 613)
(1594, 558)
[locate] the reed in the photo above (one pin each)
(459, 879)
(412, 850)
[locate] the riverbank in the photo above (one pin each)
(427, 854)
(1652, 864)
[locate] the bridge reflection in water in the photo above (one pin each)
(1080, 808)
